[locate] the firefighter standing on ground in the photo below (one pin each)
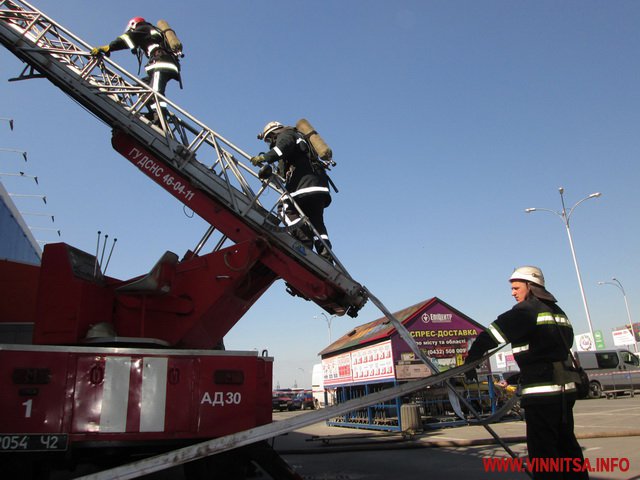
(540, 334)
(306, 182)
(142, 38)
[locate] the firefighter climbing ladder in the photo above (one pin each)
(212, 177)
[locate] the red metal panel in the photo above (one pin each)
(181, 396)
(69, 299)
(214, 291)
(30, 400)
(206, 296)
(264, 385)
(199, 401)
(87, 399)
(19, 287)
(226, 408)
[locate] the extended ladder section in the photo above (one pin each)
(198, 166)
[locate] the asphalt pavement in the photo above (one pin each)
(608, 431)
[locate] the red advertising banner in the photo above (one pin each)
(363, 365)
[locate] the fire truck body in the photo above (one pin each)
(64, 397)
(82, 392)
(81, 381)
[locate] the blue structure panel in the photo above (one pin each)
(16, 241)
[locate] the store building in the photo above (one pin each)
(373, 356)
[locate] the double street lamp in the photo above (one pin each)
(328, 320)
(616, 283)
(565, 216)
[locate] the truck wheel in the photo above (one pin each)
(595, 390)
(24, 467)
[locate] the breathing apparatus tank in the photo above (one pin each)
(172, 39)
(319, 145)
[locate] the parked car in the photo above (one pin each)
(610, 371)
(303, 400)
(281, 401)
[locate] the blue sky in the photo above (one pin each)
(447, 119)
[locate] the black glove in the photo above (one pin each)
(471, 375)
(100, 50)
(265, 172)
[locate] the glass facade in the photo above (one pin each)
(16, 241)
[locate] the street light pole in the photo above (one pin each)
(565, 215)
(626, 304)
(328, 320)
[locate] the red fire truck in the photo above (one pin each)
(119, 369)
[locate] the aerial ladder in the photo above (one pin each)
(198, 166)
(183, 305)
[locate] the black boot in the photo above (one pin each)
(323, 251)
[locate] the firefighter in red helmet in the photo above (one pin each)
(146, 40)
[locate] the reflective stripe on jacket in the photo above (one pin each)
(535, 329)
(291, 151)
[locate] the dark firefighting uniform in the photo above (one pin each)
(307, 184)
(533, 327)
(162, 65)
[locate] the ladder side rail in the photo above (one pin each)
(235, 165)
(198, 140)
(232, 164)
(209, 137)
(29, 10)
(224, 167)
(59, 71)
(45, 32)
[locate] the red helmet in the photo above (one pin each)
(133, 23)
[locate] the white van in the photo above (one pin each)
(610, 371)
(323, 397)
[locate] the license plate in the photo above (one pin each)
(32, 442)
